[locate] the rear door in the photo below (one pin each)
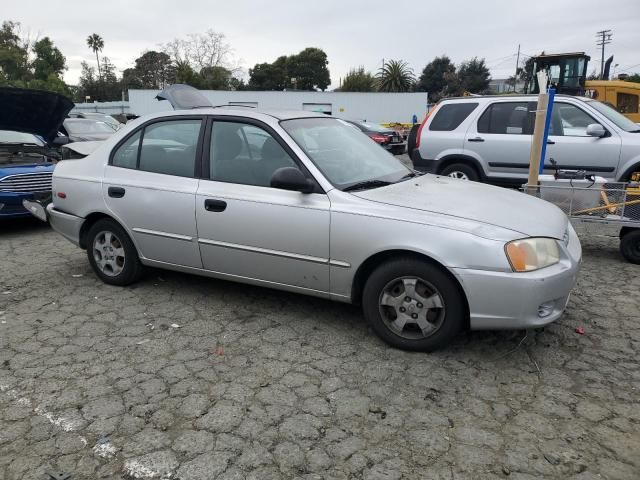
(150, 185)
(571, 147)
(501, 138)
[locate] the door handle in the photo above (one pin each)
(476, 139)
(550, 142)
(214, 205)
(116, 192)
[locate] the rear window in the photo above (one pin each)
(449, 117)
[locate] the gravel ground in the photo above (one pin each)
(181, 377)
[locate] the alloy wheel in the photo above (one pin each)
(459, 175)
(108, 252)
(411, 307)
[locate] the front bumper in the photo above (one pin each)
(11, 204)
(65, 224)
(509, 300)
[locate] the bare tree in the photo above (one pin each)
(201, 50)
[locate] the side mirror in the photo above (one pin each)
(596, 130)
(59, 141)
(291, 178)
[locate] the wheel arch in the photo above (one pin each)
(89, 221)
(635, 167)
(453, 158)
(372, 262)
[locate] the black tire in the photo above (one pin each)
(412, 139)
(447, 320)
(130, 267)
(468, 171)
(630, 246)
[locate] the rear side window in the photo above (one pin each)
(511, 118)
(449, 117)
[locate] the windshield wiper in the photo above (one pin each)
(366, 184)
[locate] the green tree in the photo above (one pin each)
(215, 78)
(308, 70)
(434, 77)
(633, 78)
(269, 76)
(395, 76)
(48, 60)
(96, 44)
(357, 80)
(14, 56)
(153, 70)
(474, 76)
(184, 73)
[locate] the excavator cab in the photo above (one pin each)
(567, 72)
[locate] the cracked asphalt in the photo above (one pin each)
(181, 377)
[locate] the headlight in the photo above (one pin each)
(531, 254)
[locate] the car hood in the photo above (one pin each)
(487, 204)
(183, 97)
(83, 148)
(33, 111)
(90, 137)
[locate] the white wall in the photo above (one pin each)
(374, 107)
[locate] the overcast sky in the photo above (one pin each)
(352, 33)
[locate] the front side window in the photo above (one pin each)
(511, 118)
(449, 117)
(344, 155)
(569, 121)
(614, 116)
(245, 154)
(170, 147)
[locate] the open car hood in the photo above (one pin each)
(33, 111)
(183, 97)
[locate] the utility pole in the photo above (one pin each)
(603, 38)
(515, 76)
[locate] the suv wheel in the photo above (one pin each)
(630, 246)
(112, 254)
(461, 171)
(413, 305)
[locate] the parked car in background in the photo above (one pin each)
(100, 117)
(29, 145)
(303, 202)
(385, 137)
(488, 138)
(83, 129)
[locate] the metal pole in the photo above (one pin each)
(515, 76)
(604, 38)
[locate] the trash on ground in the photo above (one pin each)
(143, 341)
(175, 325)
(580, 330)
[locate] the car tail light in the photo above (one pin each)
(378, 138)
(424, 122)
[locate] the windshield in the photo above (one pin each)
(83, 126)
(616, 117)
(343, 154)
(8, 136)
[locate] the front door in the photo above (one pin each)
(572, 149)
(150, 187)
(250, 230)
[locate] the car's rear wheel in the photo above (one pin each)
(461, 171)
(630, 246)
(412, 139)
(112, 254)
(413, 305)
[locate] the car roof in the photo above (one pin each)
(528, 96)
(244, 112)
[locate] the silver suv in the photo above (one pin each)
(488, 138)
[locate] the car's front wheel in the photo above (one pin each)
(413, 305)
(112, 254)
(630, 246)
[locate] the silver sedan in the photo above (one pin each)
(305, 203)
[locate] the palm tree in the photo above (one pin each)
(395, 76)
(95, 43)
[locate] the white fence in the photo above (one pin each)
(110, 108)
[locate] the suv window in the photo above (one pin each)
(513, 118)
(449, 116)
(245, 154)
(569, 121)
(168, 147)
